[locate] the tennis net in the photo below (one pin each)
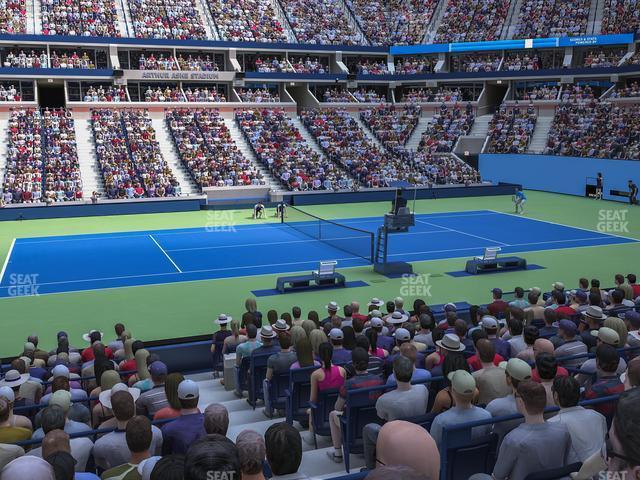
(348, 239)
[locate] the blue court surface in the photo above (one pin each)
(126, 259)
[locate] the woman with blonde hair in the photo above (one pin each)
(171, 390)
(314, 317)
(232, 341)
(141, 367)
(309, 326)
(297, 333)
(252, 308)
(99, 412)
(317, 338)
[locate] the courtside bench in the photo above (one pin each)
(325, 276)
(477, 266)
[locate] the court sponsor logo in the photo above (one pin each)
(221, 221)
(613, 220)
(23, 284)
(416, 285)
(218, 475)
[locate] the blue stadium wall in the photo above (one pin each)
(559, 174)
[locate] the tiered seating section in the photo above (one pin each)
(394, 22)
(42, 160)
(206, 148)
(174, 19)
(323, 22)
(112, 93)
(621, 16)
(471, 21)
(548, 18)
(391, 125)
(257, 95)
(96, 18)
(446, 127)
(13, 16)
(129, 156)
(510, 129)
(247, 21)
(280, 146)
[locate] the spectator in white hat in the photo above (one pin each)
(189, 426)
(268, 340)
(14, 420)
(33, 468)
(333, 317)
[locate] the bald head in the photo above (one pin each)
(399, 440)
(633, 373)
(543, 345)
(54, 442)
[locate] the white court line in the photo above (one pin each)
(6, 260)
(568, 226)
(260, 244)
(165, 253)
(465, 233)
(512, 245)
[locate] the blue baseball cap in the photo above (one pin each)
(567, 326)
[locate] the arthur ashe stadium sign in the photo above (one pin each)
(179, 76)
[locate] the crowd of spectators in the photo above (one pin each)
(309, 64)
(537, 92)
(511, 128)
(603, 57)
(168, 93)
(368, 67)
(204, 94)
(415, 65)
(534, 358)
(112, 93)
(247, 21)
(13, 16)
(206, 148)
(390, 124)
(198, 63)
(23, 175)
(129, 156)
(71, 60)
(9, 93)
(158, 61)
(324, 22)
(368, 95)
(548, 18)
(171, 19)
(336, 95)
(281, 147)
(62, 179)
(620, 16)
(22, 59)
(595, 129)
(631, 90)
(635, 59)
(428, 95)
(262, 64)
(470, 21)
(446, 127)
(97, 18)
(476, 62)
(394, 22)
(257, 95)
(515, 62)
(576, 93)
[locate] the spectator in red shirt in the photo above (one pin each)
(474, 361)
(92, 337)
(130, 348)
(631, 278)
(543, 345)
(559, 298)
(498, 305)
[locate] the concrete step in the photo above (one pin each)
(414, 140)
(372, 138)
(90, 172)
(306, 134)
(538, 140)
(481, 126)
(4, 142)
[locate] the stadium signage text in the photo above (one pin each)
(180, 76)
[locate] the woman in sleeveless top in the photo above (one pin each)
(327, 377)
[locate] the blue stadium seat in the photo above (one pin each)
(278, 387)
(257, 373)
(298, 394)
(242, 374)
(555, 473)
(476, 456)
(320, 411)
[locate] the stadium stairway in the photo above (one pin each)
(242, 416)
(540, 133)
(168, 149)
(284, 21)
(509, 28)
(596, 13)
(207, 20)
(33, 17)
(247, 151)
(372, 138)
(480, 126)
(414, 140)
(89, 169)
(434, 24)
(4, 142)
(124, 20)
(306, 135)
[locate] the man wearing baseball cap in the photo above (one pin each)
(491, 325)
(516, 371)
(189, 426)
(610, 337)
(155, 399)
(340, 354)
(572, 344)
(463, 386)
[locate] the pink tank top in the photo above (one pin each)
(332, 378)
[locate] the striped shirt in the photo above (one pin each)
(151, 401)
(572, 347)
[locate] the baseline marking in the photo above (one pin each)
(6, 260)
(165, 253)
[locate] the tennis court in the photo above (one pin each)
(102, 261)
